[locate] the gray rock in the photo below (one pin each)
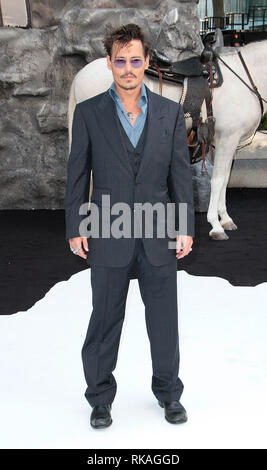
(83, 29)
(37, 67)
(43, 15)
(179, 36)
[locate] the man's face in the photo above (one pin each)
(128, 77)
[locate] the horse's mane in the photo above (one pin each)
(227, 50)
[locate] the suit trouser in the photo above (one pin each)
(158, 288)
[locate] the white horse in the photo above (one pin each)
(236, 110)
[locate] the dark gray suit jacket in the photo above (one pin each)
(164, 174)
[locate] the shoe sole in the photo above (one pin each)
(101, 425)
(169, 421)
(176, 422)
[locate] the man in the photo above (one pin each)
(135, 143)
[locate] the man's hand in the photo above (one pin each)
(79, 242)
(183, 245)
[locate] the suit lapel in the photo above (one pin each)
(107, 120)
(155, 112)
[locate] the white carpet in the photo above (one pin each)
(223, 367)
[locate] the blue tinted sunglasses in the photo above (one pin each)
(120, 63)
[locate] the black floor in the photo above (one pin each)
(34, 254)
(242, 259)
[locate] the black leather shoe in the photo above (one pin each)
(174, 411)
(100, 416)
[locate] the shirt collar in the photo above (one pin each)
(142, 100)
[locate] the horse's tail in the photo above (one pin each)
(71, 108)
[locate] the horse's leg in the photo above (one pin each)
(224, 152)
(226, 221)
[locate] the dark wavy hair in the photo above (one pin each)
(123, 35)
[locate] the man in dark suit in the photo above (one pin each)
(135, 143)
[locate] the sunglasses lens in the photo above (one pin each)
(136, 63)
(119, 63)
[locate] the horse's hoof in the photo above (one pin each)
(218, 235)
(229, 226)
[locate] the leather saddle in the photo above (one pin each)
(196, 66)
(198, 75)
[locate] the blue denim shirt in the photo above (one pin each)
(134, 131)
